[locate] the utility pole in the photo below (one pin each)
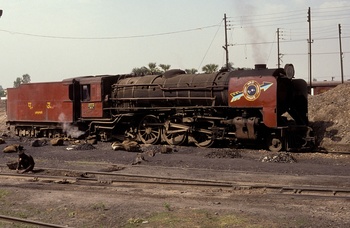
(341, 56)
(226, 44)
(279, 55)
(310, 41)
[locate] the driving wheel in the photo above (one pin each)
(149, 130)
(174, 132)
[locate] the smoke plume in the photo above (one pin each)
(71, 131)
(254, 34)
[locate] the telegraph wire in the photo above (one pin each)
(278, 14)
(107, 38)
(243, 22)
(330, 9)
(319, 53)
(261, 20)
(288, 41)
(275, 41)
(210, 45)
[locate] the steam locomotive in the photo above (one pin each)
(260, 106)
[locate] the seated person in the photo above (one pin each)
(25, 162)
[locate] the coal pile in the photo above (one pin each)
(329, 115)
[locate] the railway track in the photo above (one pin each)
(12, 220)
(129, 183)
(94, 178)
(335, 152)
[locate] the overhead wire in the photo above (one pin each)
(210, 45)
(261, 20)
(245, 22)
(319, 33)
(108, 38)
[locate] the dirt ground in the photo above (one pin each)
(167, 206)
(74, 206)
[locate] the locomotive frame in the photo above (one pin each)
(264, 107)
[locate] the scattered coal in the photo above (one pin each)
(223, 153)
(38, 142)
(158, 148)
(279, 158)
(84, 146)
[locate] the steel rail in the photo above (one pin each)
(159, 180)
(37, 177)
(32, 222)
(334, 153)
(158, 177)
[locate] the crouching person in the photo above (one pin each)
(25, 162)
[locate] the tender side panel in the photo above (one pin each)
(255, 92)
(39, 102)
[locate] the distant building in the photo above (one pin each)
(323, 86)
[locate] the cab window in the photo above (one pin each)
(85, 93)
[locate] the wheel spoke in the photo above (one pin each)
(149, 134)
(174, 131)
(203, 136)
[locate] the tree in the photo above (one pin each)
(24, 80)
(2, 92)
(139, 71)
(17, 82)
(229, 66)
(191, 71)
(151, 69)
(210, 68)
(164, 67)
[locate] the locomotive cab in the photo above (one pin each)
(90, 95)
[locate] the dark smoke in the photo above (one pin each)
(254, 33)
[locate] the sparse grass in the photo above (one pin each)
(167, 206)
(3, 193)
(196, 218)
(99, 206)
(72, 214)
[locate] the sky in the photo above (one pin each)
(56, 39)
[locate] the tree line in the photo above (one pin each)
(152, 68)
